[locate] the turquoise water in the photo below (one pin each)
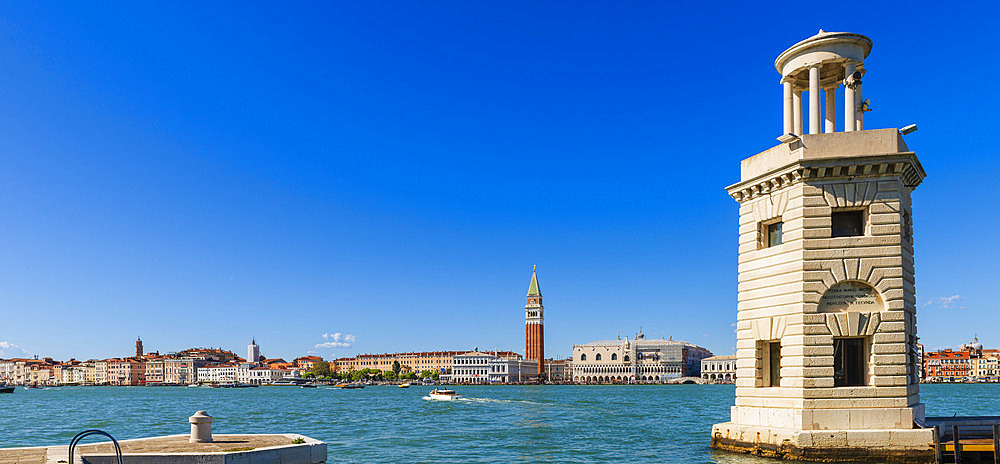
(572, 424)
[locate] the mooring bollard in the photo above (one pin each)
(201, 427)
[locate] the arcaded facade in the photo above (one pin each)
(636, 361)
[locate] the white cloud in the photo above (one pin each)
(336, 340)
(10, 349)
(946, 302)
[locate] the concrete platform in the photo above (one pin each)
(894, 446)
(175, 449)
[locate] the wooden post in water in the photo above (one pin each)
(996, 444)
(937, 445)
(958, 447)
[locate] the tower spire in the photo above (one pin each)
(533, 289)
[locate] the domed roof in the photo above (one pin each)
(858, 47)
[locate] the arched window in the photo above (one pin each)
(583, 357)
(626, 358)
(614, 356)
(598, 357)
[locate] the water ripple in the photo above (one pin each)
(564, 424)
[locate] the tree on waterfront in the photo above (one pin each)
(396, 367)
(320, 369)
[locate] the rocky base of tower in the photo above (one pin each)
(892, 446)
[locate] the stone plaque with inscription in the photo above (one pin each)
(850, 296)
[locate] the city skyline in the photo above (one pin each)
(333, 179)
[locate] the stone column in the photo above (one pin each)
(797, 111)
(860, 115)
(786, 102)
(850, 101)
(831, 110)
(814, 110)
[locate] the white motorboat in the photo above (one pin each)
(441, 394)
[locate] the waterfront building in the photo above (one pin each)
(719, 369)
(253, 352)
(920, 361)
(502, 366)
(512, 370)
(126, 371)
(636, 361)
(471, 367)
(826, 314)
(534, 324)
(972, 363)
(101, 372)
(57, 373)
(559, 370)
(986, 368)
(256, 375)
(23, 371)
(306, 363)
(154, 370)
(64, 373)
(90, 373)
(948, 366)
(218, 373)
(182, 371)
(416, 361)
(8, 371)
(75, 375)
(40, 374)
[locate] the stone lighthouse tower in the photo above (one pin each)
(534, 324)
(826, 332)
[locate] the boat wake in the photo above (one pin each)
(496, 401)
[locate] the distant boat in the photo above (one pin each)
(349, 386)
(308, 385)
(282, 383)
(6, 389)
(441, 394)
(404, 385)
(193, 385)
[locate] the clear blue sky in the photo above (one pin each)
(202, 173)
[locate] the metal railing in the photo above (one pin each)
(86, 433)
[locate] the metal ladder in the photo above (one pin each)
(86, 433)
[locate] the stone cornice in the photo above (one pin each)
(903, 165)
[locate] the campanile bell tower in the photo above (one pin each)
(534, 321)
(826, 310)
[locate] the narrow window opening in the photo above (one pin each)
(769, 357)
(774, 362)
(847, 223)
(769, 234)
(849, 366)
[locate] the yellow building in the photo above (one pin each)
(439, 361)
